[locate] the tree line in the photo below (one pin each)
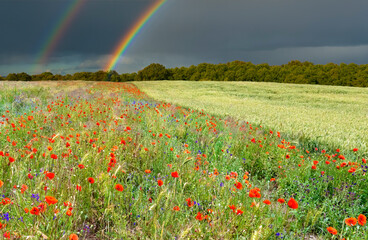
(294, 72)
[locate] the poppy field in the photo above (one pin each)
(100, 160)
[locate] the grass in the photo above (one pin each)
(330, 116)
(120, 165)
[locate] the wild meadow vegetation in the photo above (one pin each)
(98, 160)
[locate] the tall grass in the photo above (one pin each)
(311, 114)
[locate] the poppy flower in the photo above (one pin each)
(239, 212)
(281, 200)
(238, 185)
(11, 159)
(24, 188)
(119, 187)
(54, 156)
(292, 203)
(355, 149)
(232, 207)
(362, 220)
(272, 179)
(190, 203)
(351, 221)
(69, 213)
(147, 171)
(81, 166)
(199, 216)
(332, 230)
(50, 175)
(35, 211)
(175, 174)
(176, 208)
(268, 202)
(73, 237)
(1, 183)
(51, 200)
(160, 182)
(91, 180)
(255, 193)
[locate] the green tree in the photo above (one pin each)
(154, 71)
(24, 77)
(12, 77)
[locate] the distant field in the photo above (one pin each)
(336, 116)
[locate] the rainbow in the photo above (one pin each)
(132, 33)
(58, 31)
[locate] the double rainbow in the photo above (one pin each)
(134, 30)
(66, 19)
(58, 31)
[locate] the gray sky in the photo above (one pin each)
(183, 33)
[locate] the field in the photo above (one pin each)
(98, 160)
(331, 116)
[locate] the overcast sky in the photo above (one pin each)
(183, 33)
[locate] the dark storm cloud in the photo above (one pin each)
(259, 25)
(185, 32)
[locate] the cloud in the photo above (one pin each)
(185, 32)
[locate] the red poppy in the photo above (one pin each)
(50, 200)
(147, 171)
(81, 166)
(351, 221)
(175, 174)
(281, 200)
(190, 203)
(293, 203)
(232, 207)
(332, 230)
(362, 220)
(199, 216)
(238, 185)
(54, 156)
(176, 208)
(160, 182)
(69, 213)
(91, 180)
(268, 202)
(119, 187)
(239, 212)
(255, 193)
(73, 237)
(355, 149)
(35, 211)
(50, 175)
(1, 183)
